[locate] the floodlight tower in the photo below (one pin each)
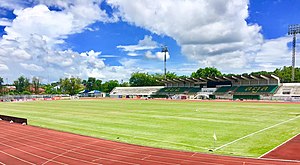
(293, 30)
(165, 50)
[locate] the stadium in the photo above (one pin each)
(238, 119)
(211, 120)
(250, 87)
(216, 119)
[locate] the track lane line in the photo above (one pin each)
(25, 161)
(96, 156)
(104, 142)
(141, 147)
(133, 147)
(40, 149)
(158, 157)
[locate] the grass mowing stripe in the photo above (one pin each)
(135, 137)
(255, 133)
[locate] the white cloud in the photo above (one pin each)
(133, 54)
(33, 43)
(93, 62)
(210, 33)
(274, 53)
(91, 53)
(119, 73)
(32, 67)
(84, 11)
(109, 56)
(205, 30)
(39, 21)
(145, 44)
(3, 67)
(5, 22)
(13, 4)
(158, 55)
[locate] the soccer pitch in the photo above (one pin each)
(242, 128)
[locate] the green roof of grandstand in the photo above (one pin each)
(177, 90)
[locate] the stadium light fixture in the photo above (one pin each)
(165, 50)
(293, 30)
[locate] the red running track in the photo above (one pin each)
(33, 145)
(289, 150)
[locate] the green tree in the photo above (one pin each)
(169, 75)
(98, 85)
(36, 85)
(48, 89)
(285, 74)
(261, 73)
(53, 88)
(71, 85)
(90, 84)
(230, 74)
(125, 84)
(142, 79)
(183, 76)
(22, 84)
(206, 72)
(110, 85)
(145, 79)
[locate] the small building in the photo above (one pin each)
(95, 93)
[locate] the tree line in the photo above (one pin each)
(145, 79)
(70, 86)
(74, 85)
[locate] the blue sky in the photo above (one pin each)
(110, 39)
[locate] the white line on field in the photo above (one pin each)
(278, 146)
(255, 133)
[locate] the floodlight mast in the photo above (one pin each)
(293, 30)
(165, 50)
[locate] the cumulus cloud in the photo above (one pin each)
(3, 67)
(5, 22)
(158, 55)
(274, 53)
(93, 62)
(32, 67)
(209, 33)
(145, 44)
(13, 4)
(205, 30)
(84, 12)
(33, 44)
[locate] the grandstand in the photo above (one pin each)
(288, 92)
(223, 87)
(134, 92)
(249, 87)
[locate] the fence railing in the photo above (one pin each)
(8, 98)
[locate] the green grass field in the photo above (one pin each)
(169, 124)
